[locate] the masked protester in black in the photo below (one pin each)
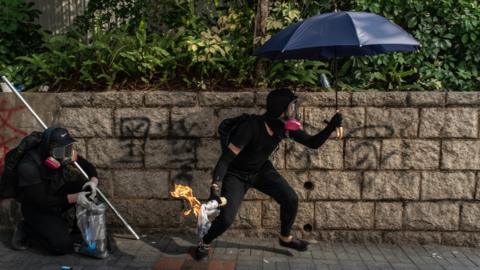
(246, 164)
(48, 185)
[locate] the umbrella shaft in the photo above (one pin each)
(335, 71)
(336, 99)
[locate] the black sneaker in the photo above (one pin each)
(297, 244)
(201, 252)
(19, 238)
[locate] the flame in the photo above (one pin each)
(186, 193)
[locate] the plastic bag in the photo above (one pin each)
(92, 223)
(207, 210)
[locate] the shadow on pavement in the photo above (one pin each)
(184, 245)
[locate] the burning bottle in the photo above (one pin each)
(205, 213)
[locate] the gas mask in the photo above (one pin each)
(61, 155)
(291, 116)
(288, 121)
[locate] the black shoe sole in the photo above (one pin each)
(200, 256)
(284, 244)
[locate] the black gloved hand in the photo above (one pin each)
(336, 120)
(215, 192)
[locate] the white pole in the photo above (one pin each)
(76, 164)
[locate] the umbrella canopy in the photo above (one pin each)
(337, 34)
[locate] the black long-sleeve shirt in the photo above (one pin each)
(257, 145)
(34, 182)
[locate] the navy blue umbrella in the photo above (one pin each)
(337, 34)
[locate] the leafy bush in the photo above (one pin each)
(109, 15)
(19, 34)
(203, 44)
(449, 31)
(107, 59)
(291, 72)
(220, 53)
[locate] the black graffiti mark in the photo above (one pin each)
(186, 157)
(389, 130)
(184, 176)
(133, 152)
(134, 133)
(184, 128)
(133, 138)
(364, 149)
(361, 152)
(134, 127)
(183, 154)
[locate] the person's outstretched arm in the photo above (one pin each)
(315, 141)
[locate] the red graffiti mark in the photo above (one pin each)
(6, 115)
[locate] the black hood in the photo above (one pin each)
(44, 146)
(277, 102)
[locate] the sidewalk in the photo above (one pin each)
(172, 252)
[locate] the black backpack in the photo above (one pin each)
(9, 177)
(227, 128)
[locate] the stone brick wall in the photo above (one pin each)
(407, 170)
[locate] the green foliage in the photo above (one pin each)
(314, 7)
(204, 44)
(107, 59)
(217, 53)
(293, 72)
(110, 14)
(19, 34)
(449, 31)
(194, 52)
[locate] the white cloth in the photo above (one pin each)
(207, 210)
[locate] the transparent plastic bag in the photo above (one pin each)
(92, 223)
(207, 212)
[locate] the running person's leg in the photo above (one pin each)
(270, 182)
(233, 189)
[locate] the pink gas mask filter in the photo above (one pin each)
(292, 123)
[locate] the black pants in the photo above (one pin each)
(47, 226)
(268, 181)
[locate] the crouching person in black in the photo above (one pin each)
(48, 185)
(245, 163)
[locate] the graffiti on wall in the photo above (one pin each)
(9, 134)
(134, 133)
(365, 153)
(133, 137)
(186, 162)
